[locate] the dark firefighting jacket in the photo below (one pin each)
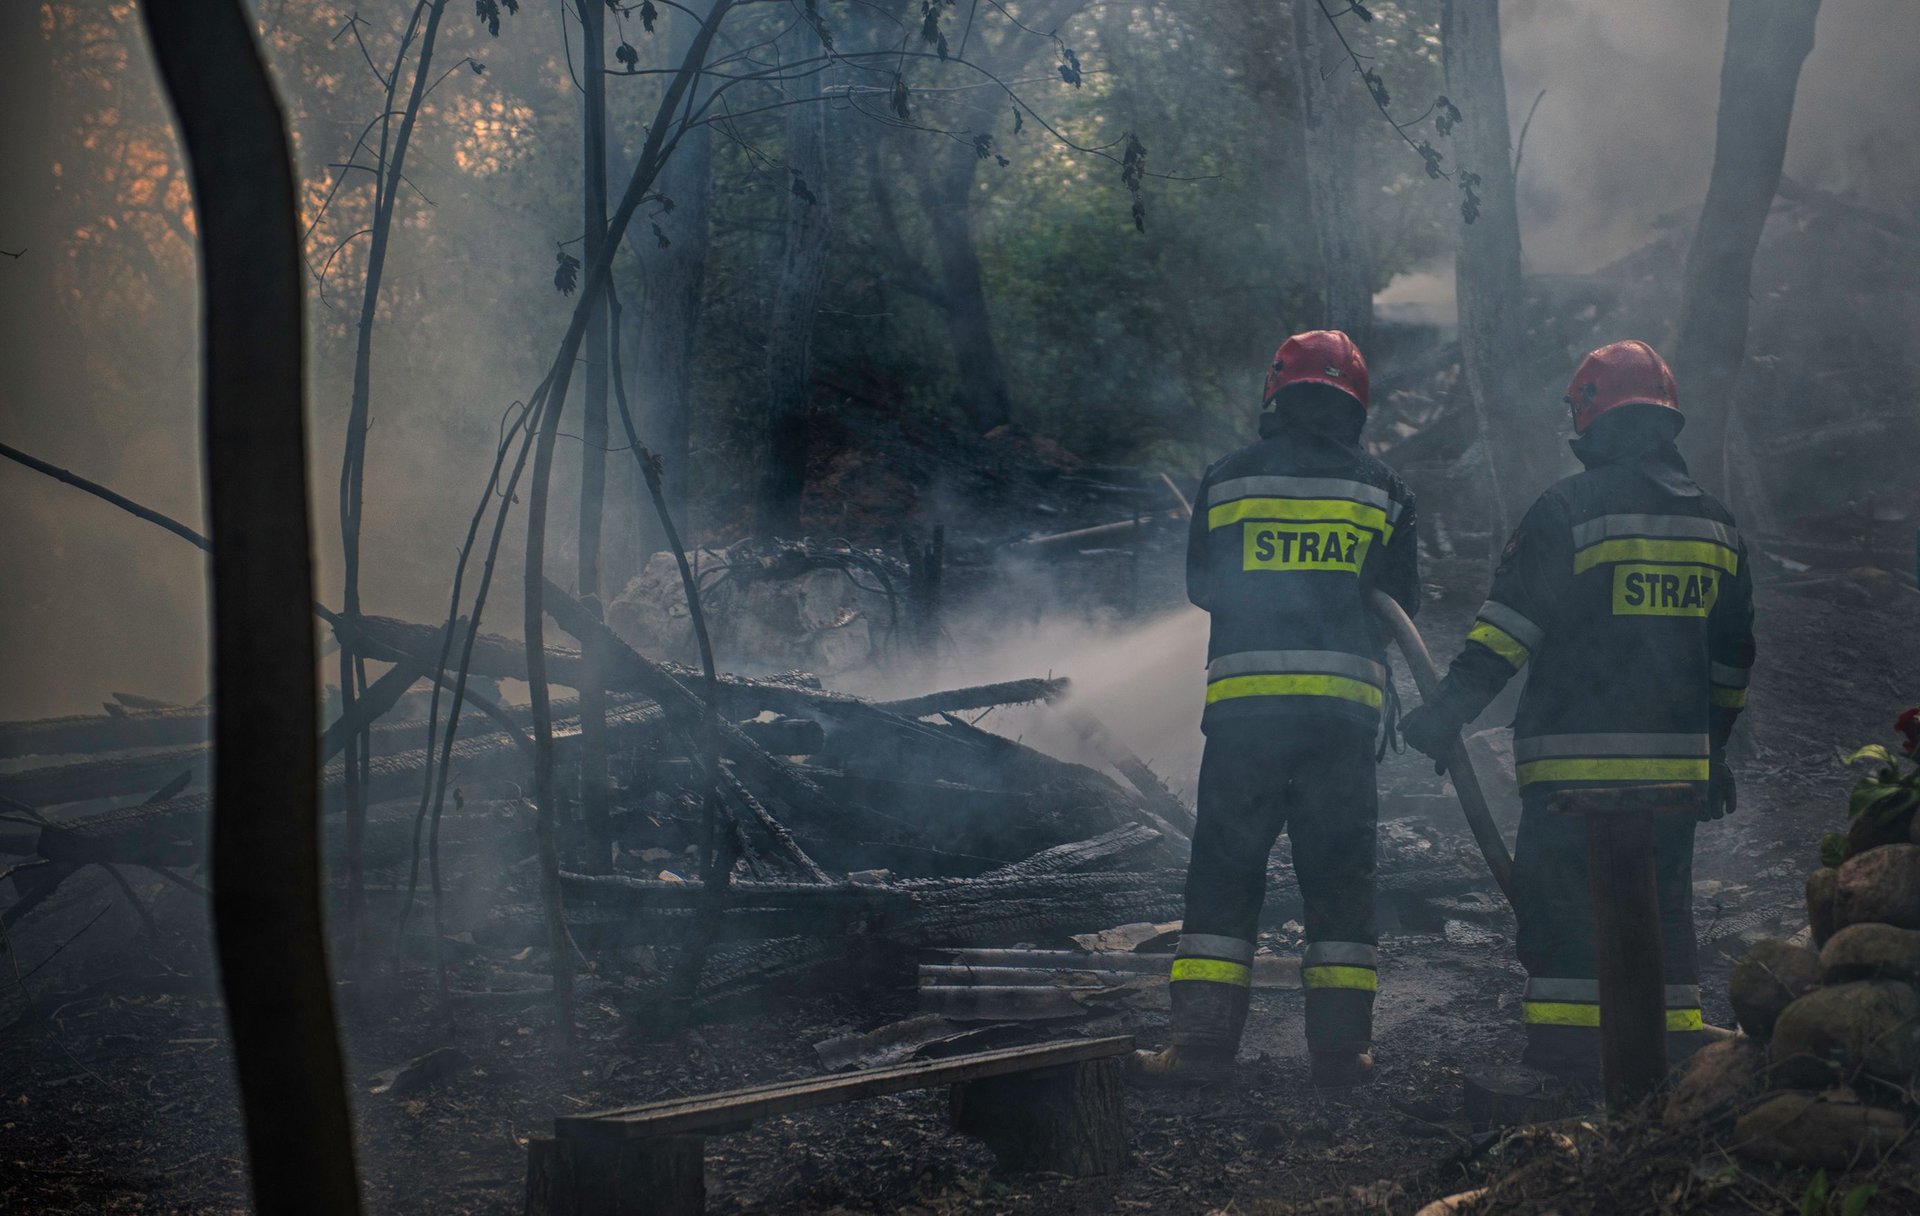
(1289, 536)
(1626, 595)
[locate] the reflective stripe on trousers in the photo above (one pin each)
(1349, 965)
(1576, 1003)
(1209, 958)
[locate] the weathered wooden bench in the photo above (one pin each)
(1055, 1106)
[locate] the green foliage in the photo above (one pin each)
(1888, 792)
(1833, 848)
(1819, 1199)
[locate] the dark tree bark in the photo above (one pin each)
(29, 236)
(1517, 428)
(594, 279)
(593, 435)
(1330, 98)
(803, 267)
(672, 279)
(353, 463)
(266, 823)
(1767, 41)
(946, 193)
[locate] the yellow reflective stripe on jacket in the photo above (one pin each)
(1555, 1013)
(1730, 698)
(1362, 979)
(1212, 971)
(1650, 549)
(1664, 769)
(1500, 642)
(1304, 510)
(1293, 685)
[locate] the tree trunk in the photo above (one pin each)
(1329, 97)
(1517, 429)
(595, 276)
(783, 458)
(1767, 41)
(593, 435)
(266, 829)
(672, 279)
(946, 191)
(29, 304)
(353, 464)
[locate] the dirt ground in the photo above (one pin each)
(116, 1094)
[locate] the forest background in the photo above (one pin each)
(1123, 343)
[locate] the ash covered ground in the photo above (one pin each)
(115, 1073)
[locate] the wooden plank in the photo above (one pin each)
(734, 1108)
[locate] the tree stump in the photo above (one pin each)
(581, 1176)
(1508, 1097)
(1069, 1120)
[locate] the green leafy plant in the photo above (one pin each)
(1888, 792)
(1819, 1198)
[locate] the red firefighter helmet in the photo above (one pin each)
(1620, 373)
(1319, 356)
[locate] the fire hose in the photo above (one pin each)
(1466, 782)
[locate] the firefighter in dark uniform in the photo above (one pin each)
(1626, 596)
(1289, 536)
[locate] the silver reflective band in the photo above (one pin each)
(1395, 510)
(1583, 992)
(1587, 992)
(1522, 630)
(1544, 747)
(1213, 945)
(1729, 677)
(1298, 487)
(1315, 662)
(1683, 527)
(1339, 954)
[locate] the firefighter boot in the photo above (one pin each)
(1341, 1069)
(1181, 1066)
(1208, 1019)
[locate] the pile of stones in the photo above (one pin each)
(1827, 1071)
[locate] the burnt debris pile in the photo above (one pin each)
(853, 836)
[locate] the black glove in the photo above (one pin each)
(1722, 798)
(1432, 729)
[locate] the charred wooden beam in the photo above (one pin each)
(168, 833)
(1094, 733)
(980, 696)
(105, 732)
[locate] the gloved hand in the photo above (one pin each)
(1431, 729)
(1722, 799)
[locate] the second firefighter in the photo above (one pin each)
(1290, 535)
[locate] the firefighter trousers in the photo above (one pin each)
(1315, 780)
(1552, 902)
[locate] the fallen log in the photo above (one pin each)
(119, 776)
(110, 778)
(1080, 856)
(627, 668)
(505, 659)
(105, 732)
(168, 833)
